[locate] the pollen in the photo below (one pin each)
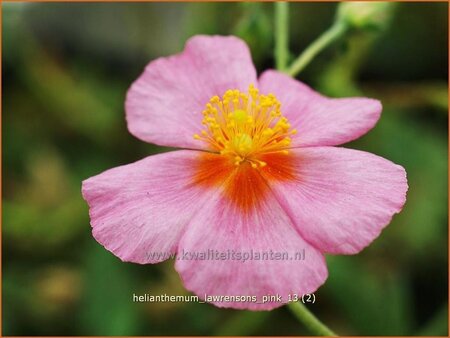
(245, 126)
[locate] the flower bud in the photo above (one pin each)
(366, 14)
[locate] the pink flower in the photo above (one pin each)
(259, 173)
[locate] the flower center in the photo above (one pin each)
(245, 126)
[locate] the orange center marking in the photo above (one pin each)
(243, 185)
(249, 139)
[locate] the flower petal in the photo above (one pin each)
(320, 121)
(223, 231)
(138, 211)
(342, 198)
(164, 105)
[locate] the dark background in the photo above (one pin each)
(66, 69)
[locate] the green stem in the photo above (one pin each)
(281, 34)
(281, 57)
(309, 320)
(329, 36)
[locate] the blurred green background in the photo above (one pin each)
(66, 69)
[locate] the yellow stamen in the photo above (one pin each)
(245, 126)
